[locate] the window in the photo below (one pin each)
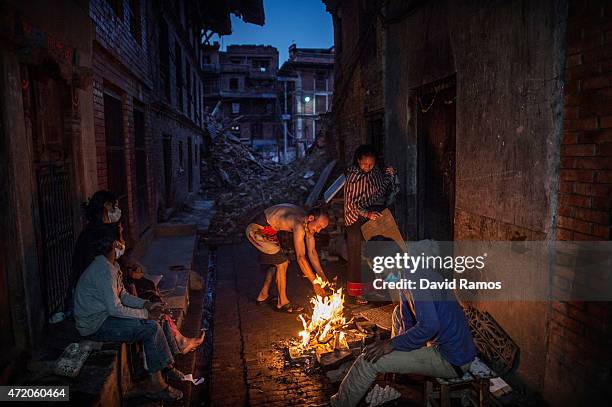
(234, 84)
(236, 108)
(307, 103)
(320, 81)
(135, 20)
(179, 75)
(115, 153)
(320, 104)
(180, 153)
(164, 57)
(140, 160)
(188, 87)
(256, 130)
(308, 82)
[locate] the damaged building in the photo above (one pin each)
(497, 117)
(305, 87)
(244, 80)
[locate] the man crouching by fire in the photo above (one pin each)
(423, 316)
(262, 234)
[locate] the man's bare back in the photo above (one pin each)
(285, 217)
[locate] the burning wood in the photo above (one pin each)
(327, 321)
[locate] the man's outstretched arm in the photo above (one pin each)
(313, 256)
(300, 254)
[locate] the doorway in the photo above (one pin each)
(189, 165)
(436, 114)
(46, 100)
(167, 151)
(141, 187)
(115, 155)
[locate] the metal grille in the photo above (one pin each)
(55, 197)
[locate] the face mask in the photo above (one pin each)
(119, 250)
(114, 215)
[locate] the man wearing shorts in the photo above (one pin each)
(262, 234)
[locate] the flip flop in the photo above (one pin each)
(262, 302)
(167, 394)
(289, 308)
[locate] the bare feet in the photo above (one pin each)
(187, 345)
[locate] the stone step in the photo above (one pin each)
(171, 254)
(104, 377)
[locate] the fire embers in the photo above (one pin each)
(324, 330)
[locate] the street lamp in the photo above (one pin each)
(307, 99)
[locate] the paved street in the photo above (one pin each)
(246, 366)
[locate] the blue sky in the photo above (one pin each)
(304, 22)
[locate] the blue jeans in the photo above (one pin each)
(130, 330)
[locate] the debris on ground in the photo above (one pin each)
(242, 183)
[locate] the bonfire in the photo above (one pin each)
(324, 328)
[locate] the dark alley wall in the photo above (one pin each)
(508, 59)
(34, 36)
(579, 336)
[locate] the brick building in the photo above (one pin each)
(47, 160)
(244, 79)
(497, 117)
(94, 95)
(305, 88)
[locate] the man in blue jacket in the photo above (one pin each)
(430, 337)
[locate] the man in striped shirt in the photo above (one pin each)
(365, 186)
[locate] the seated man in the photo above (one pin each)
(430, 337)
(105, 312)
(262, 234)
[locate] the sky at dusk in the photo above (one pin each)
(303, 22)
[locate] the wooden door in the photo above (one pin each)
(436, 160)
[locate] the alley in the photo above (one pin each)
(433, 176)
(249, 364)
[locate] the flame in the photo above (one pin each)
(327, 318)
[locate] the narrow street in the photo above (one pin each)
(434, 178)
(249, 366)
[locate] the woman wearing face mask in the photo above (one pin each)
(105, 312)
(101, 209)
(365, 185)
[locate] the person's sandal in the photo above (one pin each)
(289, 308)
(167, 394)
(262, 302)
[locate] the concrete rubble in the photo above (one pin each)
(242, 183)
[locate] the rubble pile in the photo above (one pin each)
(242, 183)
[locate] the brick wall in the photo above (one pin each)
(168, 120)
(121, 64)
(179, 132)
(359, 86)
(579, 353)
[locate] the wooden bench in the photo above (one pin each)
(497, 355)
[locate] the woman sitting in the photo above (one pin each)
(105, 312)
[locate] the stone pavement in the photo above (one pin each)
(248, 368)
